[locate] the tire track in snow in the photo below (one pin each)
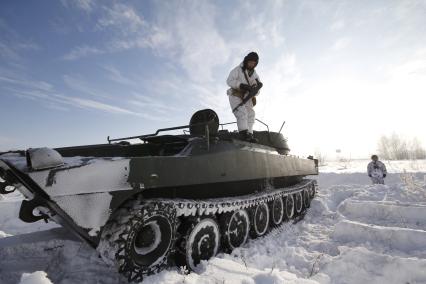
(391, 238)
(388, 214)
(360, 265)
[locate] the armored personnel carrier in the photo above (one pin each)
(169, 199)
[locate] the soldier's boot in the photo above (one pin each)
(243, 135)
(251, 138)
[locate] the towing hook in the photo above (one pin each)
(26, 212)
(6, 188)
(5, 185)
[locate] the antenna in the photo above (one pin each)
(282, 127)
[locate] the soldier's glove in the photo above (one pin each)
(369, 175)
(384, 175)
(259, 84)
(245, 87)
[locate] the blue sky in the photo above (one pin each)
(340, 73)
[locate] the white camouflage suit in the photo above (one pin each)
(245, 114)
(377, 171)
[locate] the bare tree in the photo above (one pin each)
(416, 150)
(396, 148)
(321, 158)
(383, 148)
(345, 162)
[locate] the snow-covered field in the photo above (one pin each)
(354, 232)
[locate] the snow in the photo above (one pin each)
(10, 223)
(402, 214)
(360, 166)
(219, 270)
(95, 175)
(408, 241)
(360, 265)
(38, 277)
(44, 158)
(85, 199)
(354, 232)
(87, 210)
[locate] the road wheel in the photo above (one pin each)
(312, 191)
(289, 206)
(199, 242)
(276, 208)
(259, 220)
(235, 228)
(298, 200)
(306, 199)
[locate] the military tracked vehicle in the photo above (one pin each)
(169, 199)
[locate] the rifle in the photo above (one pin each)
(253, 91)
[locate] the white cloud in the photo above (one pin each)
(56, 106)
(279, 79)
(262, 21)
(149, 103)
(114, 45)
(341, 43)
(96, 105)
(28, 46)
(24, 82)
(91, 104)
(115, 75)
(338, 25)
(80, 85)
(8, 53)
(127, 30)
(45, 94)
(212, 96)
(123, 17)
(12, 44)
(82, 51)
(413, 67)
(184, 38)
(283, 75)
(85, 5)
(58, 101)
(166, 87)
(123, 44)
(190, 39)
(159, 37)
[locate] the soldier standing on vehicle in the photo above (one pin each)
(243, 80)
(376, 170)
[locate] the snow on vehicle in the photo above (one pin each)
(170, 199)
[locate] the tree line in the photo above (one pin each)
(394, 147)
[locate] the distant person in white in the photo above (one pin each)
(376, 170)
(241, 80)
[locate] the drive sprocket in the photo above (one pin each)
(139, 239)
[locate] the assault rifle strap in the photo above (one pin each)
(245, 76)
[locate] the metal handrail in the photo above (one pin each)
(267, 127)
(147, 135)
(158, 131)
(228, 123)
(174, 128)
